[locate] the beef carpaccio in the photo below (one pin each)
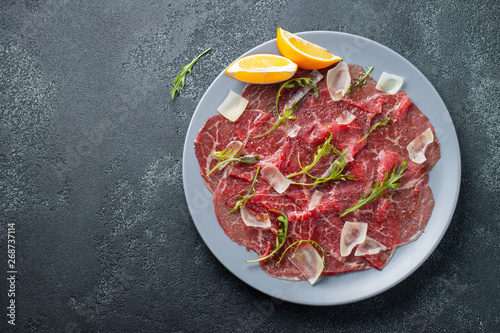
(395, 219)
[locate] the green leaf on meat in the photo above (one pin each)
(280, 237)
(379, 188)
(287, 114)
(249, 194)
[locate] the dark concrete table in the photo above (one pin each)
(91, 153)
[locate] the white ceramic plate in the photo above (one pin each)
(350, 287)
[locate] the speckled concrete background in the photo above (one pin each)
(91, 153)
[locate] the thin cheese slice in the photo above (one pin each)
(348, 157)
(235, 147)
(308, 261)
(369, 246)
(389, 83)
(328, 172)
(345, 118)
(275, 178)
(338, 80)
(353, 233)
(416, 148)
(253, 220)
(294, 131)
(315, 200)
(233, 106)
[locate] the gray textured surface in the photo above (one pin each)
(91, 148)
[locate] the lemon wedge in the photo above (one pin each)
(305, 54)
(262, 68)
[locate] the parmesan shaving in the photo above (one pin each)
(328, 172)
(345, 118)
(348, 158)
(233, 106)
(294, 131)
(252, 220)
(234, 146)
(308, 261)
(369, 246)
(338, 80)
(353, 233)
(416, 148)
(389, 83)
(275, 178)
(315, 200)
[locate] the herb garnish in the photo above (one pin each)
(248, 159)
(380, 123)
(281, 120)
(305, 240)
(248, 195)
(287, 114)
(359, 82)
(226, 153)
(181, 77)
(323, 150)
(379, 188)
(337, 166)
(226, 156)
(280, 237)
(301, 81)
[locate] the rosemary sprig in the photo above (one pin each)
(359, 82)
(181, 77)
(380, 123)
(249, 194)
(280, 237)
(379, 188)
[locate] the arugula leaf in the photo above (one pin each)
(337, 168)
(248, 195)
(359, 82)
(301, 81)
(280, 121)
(323, 150)
(226, 153)
(248, 159)
(379, 188)
(380, 123)
(287, 114)
(305, 240)
(280, 237)
(181, 77)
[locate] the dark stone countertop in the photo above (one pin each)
(91, 151)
